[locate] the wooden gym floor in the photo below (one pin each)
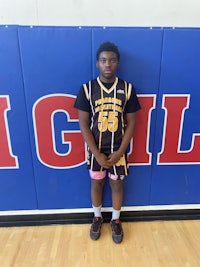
(145, 244)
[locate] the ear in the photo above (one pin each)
(97, 64)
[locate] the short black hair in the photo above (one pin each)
(108, 46)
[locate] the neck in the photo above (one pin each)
(107, 80)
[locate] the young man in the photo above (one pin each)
(106, 108)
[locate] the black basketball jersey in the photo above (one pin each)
(107, 108)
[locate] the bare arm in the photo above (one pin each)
(115, 156)
(89, 139)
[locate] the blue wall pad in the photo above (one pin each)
(42, 152)
(175, 179)
(17, 186)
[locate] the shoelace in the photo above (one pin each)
(96, 223)
(117, 227)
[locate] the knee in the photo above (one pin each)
(97, 185)
(116, 186)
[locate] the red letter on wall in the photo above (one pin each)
(7, 160)
(43, 118)
(139, 153)
(175, 106)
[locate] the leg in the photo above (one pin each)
(97, 183)
(96, 192)
(117, 197)
(117, 193)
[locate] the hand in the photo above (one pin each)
(114, 157)
(103, 161)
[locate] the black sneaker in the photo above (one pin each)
(95, 230)
(117, 232)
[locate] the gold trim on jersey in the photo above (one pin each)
(100, 132)
(106, 89)
(86, 91)
(129, 90)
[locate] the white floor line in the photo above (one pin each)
(104, 209)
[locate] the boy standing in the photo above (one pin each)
(106, 108)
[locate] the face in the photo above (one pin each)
(107, 65)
